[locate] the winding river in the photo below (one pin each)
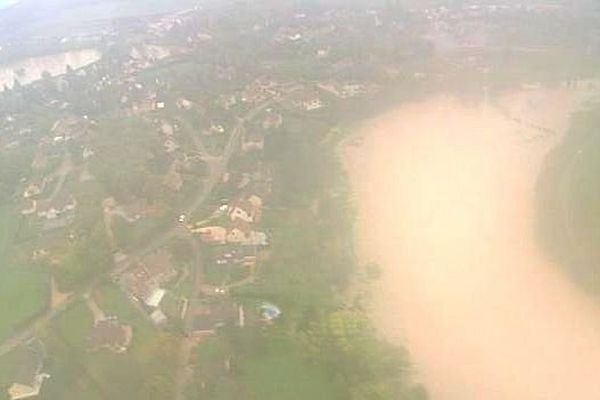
(445, 193)
(32, 69)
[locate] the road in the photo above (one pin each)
(216, 174)
(185, 371)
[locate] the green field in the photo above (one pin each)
(143, 372)
(23, 287)
(283, 373)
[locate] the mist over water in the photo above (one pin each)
(446, 199)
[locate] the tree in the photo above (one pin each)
(87, 258)
(369, 369)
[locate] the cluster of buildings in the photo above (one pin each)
(235, 239)
(107, 334)
(145, 283)
(46, 199)
(232, 236)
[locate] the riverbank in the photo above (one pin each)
(568, 198)
(33, 69)
(445, 193)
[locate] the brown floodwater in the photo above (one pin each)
(446, 206)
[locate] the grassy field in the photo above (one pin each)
(265, 367)
(23, 287)
(143, 372)
(282, 373)
(7, 370)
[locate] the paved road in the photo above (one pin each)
(175, 230)
(216, 174)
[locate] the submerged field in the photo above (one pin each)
(446, 199)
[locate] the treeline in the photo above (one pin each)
(569, 200)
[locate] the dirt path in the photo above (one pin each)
(56, 296)
(96, 311)
(445, 194)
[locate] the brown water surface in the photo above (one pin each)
(445, 193)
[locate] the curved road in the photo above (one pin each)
(123, 265)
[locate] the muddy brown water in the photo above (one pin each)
(446, 206)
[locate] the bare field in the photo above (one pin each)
(445, 198)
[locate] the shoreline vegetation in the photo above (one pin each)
(568, 193)
(500, 263)
(326, 346)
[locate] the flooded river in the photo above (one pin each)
(445, 197)
(31, 69)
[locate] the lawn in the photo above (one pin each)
(24, 287)
(262, 369)
(8, 227)
(7, 371)
(281, 373)
(71, 374)
(143, 372)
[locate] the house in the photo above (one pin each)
(184, 103)
(254, 139)
(324, 52)
(144, 289)
(30, 208)
(159, 266)
(87, 153)
(155, 297)
(109, 334)
(272, 120)
(239, 231)
(57, 207)
(246, 209)
(216, 128)
(212, 234)
(166, 128)
(259, 90)
(158, 317)
(343, 91)
(29, 379)
(35, 188)
(138, 284)
(209, 317)
(312, 103)
(170, 145)
(307, 100)
(144, 282)
(245, 256)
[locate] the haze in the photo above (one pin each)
(299, 199)
(446, 198)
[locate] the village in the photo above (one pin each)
(147, 178)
